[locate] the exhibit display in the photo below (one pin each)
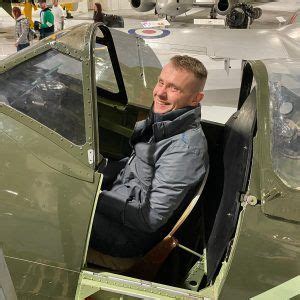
(71, 100)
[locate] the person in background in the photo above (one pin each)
(59, 16)
(47, 20)
(98, 14)
(21, 30)
(27, 11)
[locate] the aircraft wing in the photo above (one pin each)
(248, 44)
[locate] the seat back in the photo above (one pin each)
(237, 157)
(190, 207)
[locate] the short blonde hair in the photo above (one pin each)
(192, 65)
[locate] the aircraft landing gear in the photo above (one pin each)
(242, 15)
(213, 12)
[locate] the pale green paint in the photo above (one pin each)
(286, 205)
(92, 282)
(92, 219)
(286, 290)
(265, 251)
(46, 208)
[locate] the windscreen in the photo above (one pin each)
(284, 78)
(104, 72)
(48, 88)
(139, 66)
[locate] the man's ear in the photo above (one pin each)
(198, 97)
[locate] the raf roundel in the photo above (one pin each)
(149, 33)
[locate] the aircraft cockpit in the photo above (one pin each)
(72, 99)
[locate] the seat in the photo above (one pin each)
(238, 137)
(146, 267)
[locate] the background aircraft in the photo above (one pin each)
(174, 8)
(223, 52)
(237, 12)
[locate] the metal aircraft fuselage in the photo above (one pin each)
(174, 8)
(72, 99)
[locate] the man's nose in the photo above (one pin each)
(161, 90)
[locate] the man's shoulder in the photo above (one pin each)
(24, 21)
(190, 140)
(57, 9)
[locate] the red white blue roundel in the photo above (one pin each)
(149, 33)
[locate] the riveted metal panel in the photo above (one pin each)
(64, 42)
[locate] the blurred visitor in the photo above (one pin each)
(98, 14)
(21, 30)
(59, 16)
(46, 26)
(27, 11)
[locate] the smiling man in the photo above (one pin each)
(179, 85)
(169, 159)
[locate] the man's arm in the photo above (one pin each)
(176, 173)
(48, 20)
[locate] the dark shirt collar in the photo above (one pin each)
(176, 122)
(161, 126)
(169, 116)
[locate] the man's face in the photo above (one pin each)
(43, 5)
(55, 3)
(175, 88)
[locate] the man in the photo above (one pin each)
(46, 26)
(168, 161)
(59, 16)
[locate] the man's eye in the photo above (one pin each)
(174, 89)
